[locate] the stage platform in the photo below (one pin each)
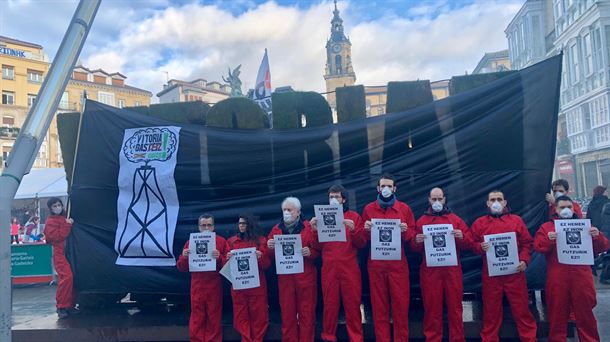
(34, 320)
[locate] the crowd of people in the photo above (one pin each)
(26, 230)
(570, 289)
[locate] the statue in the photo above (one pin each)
(234, 82)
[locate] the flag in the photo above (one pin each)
(262, 90)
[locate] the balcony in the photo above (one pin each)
(9, 132)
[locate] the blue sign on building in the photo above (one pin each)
(12, 52)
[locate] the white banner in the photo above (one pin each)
(244, 269)
(201, 246)
(439, 245)
(503, 254)
(288, 255)
(262, 90)
(574, 242)
(386, 243)
(330, 223)
(147, 206)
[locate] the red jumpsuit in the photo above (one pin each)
(551, 210)
(569, 287)
(250, 308)
(342, 281)
(389, 279)
(299, 292)
(206, 297)
(513, 285)
(56, 230)
(442, 284)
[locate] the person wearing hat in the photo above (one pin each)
(594, 211)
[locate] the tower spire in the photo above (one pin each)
(336, 30)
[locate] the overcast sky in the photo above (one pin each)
(392, 40)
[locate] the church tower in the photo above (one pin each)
(339, 70)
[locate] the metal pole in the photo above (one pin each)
(30, 137)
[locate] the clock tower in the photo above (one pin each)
(339, 70)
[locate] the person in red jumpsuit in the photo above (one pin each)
(250, 306)
(560, 188)
(514, 286)
(206, 289)
(341, 278)
(568, 286)
(389, 279)
(298, 292)
(56, 230)
(441, 284)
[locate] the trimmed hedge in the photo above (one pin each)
(460, 84)
(403, 96)
(288, 108)
(182, 112)
(351, 103)
(237, 112)
(67, 129)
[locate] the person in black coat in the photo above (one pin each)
(604, 277)
(594, 211)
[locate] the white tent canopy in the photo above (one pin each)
(41, 183)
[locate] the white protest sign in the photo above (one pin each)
(288, 256)
(225, 271)
(330, 223)
(201, 246)
(244, 269)
(439, 245)
(503, 254)
(386, 243)
(574, 242)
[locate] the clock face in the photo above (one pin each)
(336, 48)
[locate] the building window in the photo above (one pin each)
(31, 100)
(599, 111)
(578, 143)
(89, 77)
(108, 81)
(338, 64)
(8, 72)
(598, 58)
(6, 150)
(138, 103)
(8, 98)
(574, 65)
(64, 103)
(106, 98)
(121, 103)
(588, 54)
(602, 136)
(35, 76)
(8, 121)
(574, 121)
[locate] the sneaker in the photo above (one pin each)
(62, 313)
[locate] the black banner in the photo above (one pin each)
(498, 136)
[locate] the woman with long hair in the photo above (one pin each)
(250, 308)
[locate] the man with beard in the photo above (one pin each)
(389, 279)
(569, 286)
(441, 284)
(514, 286)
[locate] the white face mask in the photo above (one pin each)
(386, 192)
(333, 201)
(566, 213)
(497, 207)
(559, 194)
(437, 206)
(287, 216)
(57, 210)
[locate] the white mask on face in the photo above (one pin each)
(437, 206)
(333, 201)
(57, 210)
(559, 194)
(386, 192)
(497, 207)
(566, 213)
(287, 216)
